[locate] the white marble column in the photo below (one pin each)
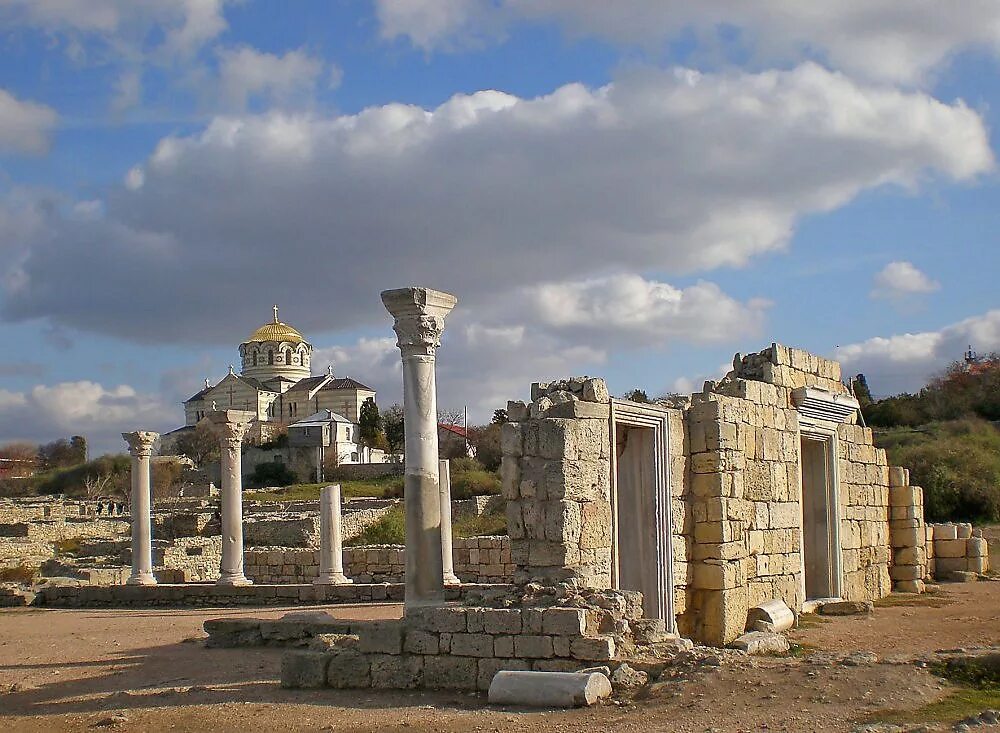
(231, 426)
(419, 322)
(447, 556)
(140, 446)
(331, 541)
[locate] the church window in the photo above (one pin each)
(270, 357)
(255, 358)
(288, 356)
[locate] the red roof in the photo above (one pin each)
(456, 429)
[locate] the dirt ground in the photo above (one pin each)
(64, 670)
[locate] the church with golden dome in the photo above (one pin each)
(275, 382)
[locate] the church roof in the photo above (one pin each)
(253, 383)
(310, 383)
(276, 331)
(321, 418)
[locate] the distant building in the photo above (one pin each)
(453, 441)
(17, 467)
(276, 383)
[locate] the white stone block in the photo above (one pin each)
(548, 689)
(772, 616)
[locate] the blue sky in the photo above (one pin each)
(635, 190)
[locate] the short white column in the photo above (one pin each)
(140, 446)
(447, 554)
(231, 426)
(419, 322)
(331, 540)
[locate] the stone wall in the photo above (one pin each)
(908, 534)
(463, 647)
(556, 474)
(477, 560)
(195, 558)
(957, 548)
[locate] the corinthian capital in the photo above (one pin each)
(419, 317)
(140, 442)
(230, 425)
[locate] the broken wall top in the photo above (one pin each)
(786, 367)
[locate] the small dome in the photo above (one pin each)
(276, 331)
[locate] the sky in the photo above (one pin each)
(635, 190)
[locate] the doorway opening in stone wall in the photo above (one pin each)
(820, 533)
(640, 497)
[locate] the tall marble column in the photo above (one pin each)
(419, 315)
(331, 541)
(231, 426)
(140, 446)
(447, 555)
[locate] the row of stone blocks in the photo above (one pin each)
(208, 595)
(462, 647)
(907, 533)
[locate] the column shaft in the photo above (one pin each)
(140, 446)
(331, 554)
(447, 554)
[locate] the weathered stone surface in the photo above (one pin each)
(304, 669)
(548, 689)
(450, 673)
(392, 672)
(847, 608)
(761, 642)
(348, 668)
(627, 679)
(772, 616)
(599, 649)
(381, 637)
(488, 669)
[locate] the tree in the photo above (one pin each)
(201, 445)
(370, 424)
(499, 417)
(486, 441)
(392, 425)
(19, 451)
(62, 453)
(450, 417)
(861, 392)
(637, 395)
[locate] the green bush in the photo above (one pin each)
(956, 462)
(468, 484)
(463, 463)
(273, 473)
(73, 481)
(484, 525)
(390, 529)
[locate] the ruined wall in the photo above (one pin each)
(556, 474)
(745, 493)
(477, 560)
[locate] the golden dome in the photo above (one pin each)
(276, 331)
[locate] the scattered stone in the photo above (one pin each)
(761, 642)
(860, 659)
(112, 721)
(628, 679)
(772, 616)
(847, 608)
(548, 689)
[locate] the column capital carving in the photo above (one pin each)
(230, 425)
(140, 442)
(419, 315)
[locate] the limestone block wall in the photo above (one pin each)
(477, 560)
(958, 548)
(556, 475)
(864, 515)
(196, 558)
(908, 533)
(463, 647)
(681, 511)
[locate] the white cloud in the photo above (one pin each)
(663, 172)
(246, 73)
(633, 309)
(46, 412)
(24, 126)
(904, 362)
(124, 26)
(900, 280)
(882, 39)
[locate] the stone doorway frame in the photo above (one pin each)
(820, 413)
(826, 436)
(639, 415)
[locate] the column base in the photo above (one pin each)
(333, 579)
(234, 580)
(141, 579)
(452, 579)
